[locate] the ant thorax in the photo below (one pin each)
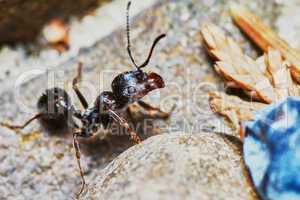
(105, 102)
(90, 121)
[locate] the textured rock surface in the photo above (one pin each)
(176, 166)
(42, 167)
(288, 22)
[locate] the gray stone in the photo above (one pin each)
(176, 166)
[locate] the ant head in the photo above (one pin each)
(133, 85)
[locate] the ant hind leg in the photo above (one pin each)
(18, 127)
(129, 113)
(78, 155)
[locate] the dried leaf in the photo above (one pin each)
(266, 79)
(281, 75)
(238, 69)
(264, 37)
(233, 108)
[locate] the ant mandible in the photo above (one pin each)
(56, 112)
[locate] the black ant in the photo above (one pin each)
(56, 112)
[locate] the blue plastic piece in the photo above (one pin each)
(272, 150)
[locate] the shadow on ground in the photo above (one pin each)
(22, 21)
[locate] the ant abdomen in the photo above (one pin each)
(56, 117)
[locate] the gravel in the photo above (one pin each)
(35, 165)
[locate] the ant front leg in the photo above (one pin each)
(76, 89)
(18, 127)
(134, 136)
(78, 155)
(129, 113)
(155, 112)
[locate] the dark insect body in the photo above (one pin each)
(54, 117)
(56, 113)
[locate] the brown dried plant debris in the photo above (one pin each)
(56, 33)
(266, 79)
(233, 108)
(265, 37)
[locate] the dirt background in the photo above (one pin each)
(35, 165)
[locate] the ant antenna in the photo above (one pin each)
(128, 35)
(151, 50)
(129, 45)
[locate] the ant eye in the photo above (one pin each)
(131, 90)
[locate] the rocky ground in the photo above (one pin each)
(36, 165)
(176, 166)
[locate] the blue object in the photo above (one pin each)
(272, 150)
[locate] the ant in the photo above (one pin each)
(56, 112)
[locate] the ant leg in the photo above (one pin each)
(155, 112)
(134, 136)
(129, 113)
(75, 88)
(17, 127)
(77, 155)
